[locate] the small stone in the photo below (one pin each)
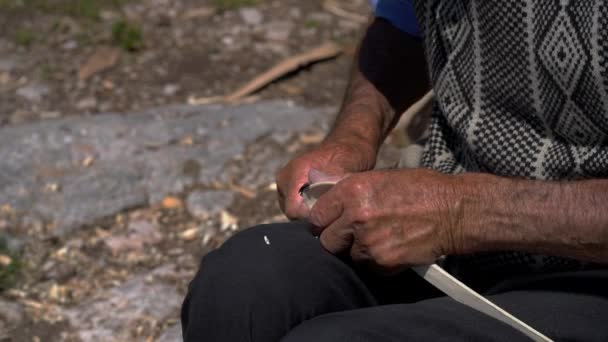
(34, 92)
(228, 41)
(189, 234)
(108, 85)
(170, 89)
(148, 232)
(11, 315)
(107, 15)
(13, 244)
(295, 13)
(112, 314)
(251, 16)
(69, 45)
(279, 31)
(51, 188)
(171, 202)
(204, 204)
(140, 233)
(87, 103)
(50, 114)
(172, 334)
(21, 115)
(321, 17)
(201, 12)
(5, 77)
(8, 64)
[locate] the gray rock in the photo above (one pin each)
(113, 314)
(69, 45)
(8, 64)
(251, 15)
(13, 244)
(87, 103)
(170, 89)
(203, 204)
(139, 157)
(33, 92)
(141, 233)
(279, 31)
(11, 315)
(172, 334)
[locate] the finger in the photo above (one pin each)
(328, 208)
(295, 208)
(290, 201)
(338, 237)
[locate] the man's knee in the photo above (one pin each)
(249, 280)
(256, 264)
(257, 257)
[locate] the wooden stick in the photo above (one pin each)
(332, 7)
(325, 51)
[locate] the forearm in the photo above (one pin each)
(568, 219)
(387, 77)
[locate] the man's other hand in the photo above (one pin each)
(391, 220)
(334, 159)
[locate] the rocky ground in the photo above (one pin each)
(104, 217)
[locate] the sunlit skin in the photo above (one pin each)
(394, 219)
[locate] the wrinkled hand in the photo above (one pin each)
(335, 159)
(391, 220)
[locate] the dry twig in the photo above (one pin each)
(334, 8)
(325, 51)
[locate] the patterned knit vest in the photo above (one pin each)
(521, 90)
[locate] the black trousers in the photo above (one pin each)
(291, 289)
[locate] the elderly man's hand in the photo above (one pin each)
(391, 220)
(336, 159)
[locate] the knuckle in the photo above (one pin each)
(357, 187)
(363, 214)
(315, 217)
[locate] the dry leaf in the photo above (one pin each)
(171, 202)
(189, 234)
(207, 237)
(5, 260)
(51, 187)
(311, 138)
(291, 89)
(58, 293)
(246, 192)
(103, 58)
(7, 209)
(88, 161)
(187, 141)
(228, 221)
(108, 85)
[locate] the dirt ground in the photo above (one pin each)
(187, 48)
(64, 58)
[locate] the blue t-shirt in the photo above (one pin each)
(400, 13)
